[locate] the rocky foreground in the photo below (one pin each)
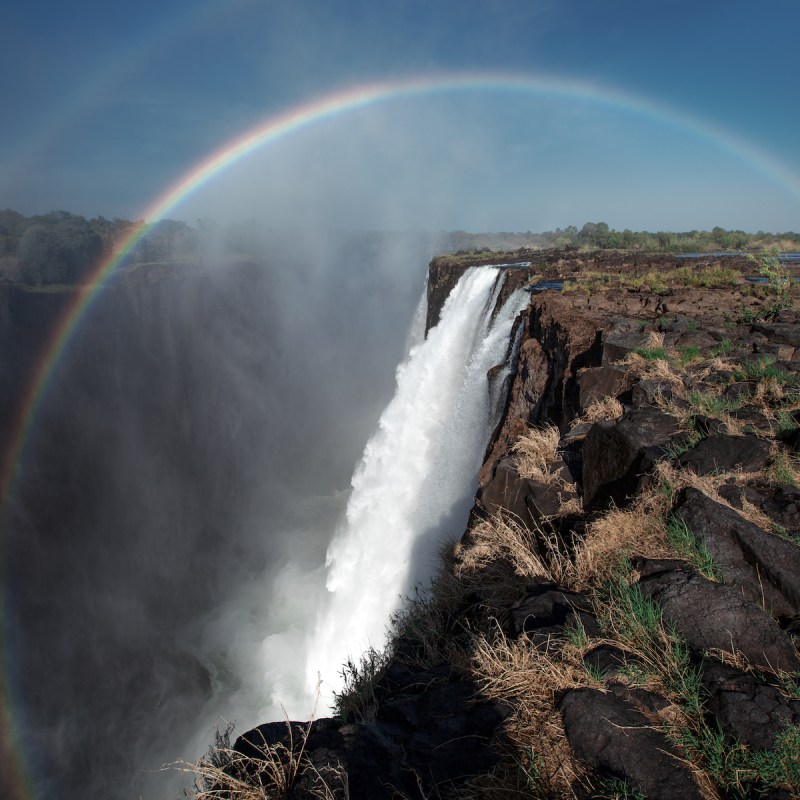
(622, 617)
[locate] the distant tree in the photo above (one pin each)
(57, 248)
(39, 260)
(586, 234)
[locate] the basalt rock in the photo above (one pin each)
(546, 610)
(528, 500)
(429, 737)
(747, 709)
(713, 616)
(598, 383)
(607, 659)
(620, 740)
(764, 568)
(648, 392)
(617, 454)
(779, 501)
(724, 453)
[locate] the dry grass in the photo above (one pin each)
(712, 365)
(535, 449)
(769, 391)
(529, 679)
(655, 340)
(672, 481)
(606, 408)
(502, 555)
(225, 774)
(619, 533)
(658, 369)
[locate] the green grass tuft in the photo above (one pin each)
(686, 545)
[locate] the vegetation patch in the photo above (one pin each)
(686, 545)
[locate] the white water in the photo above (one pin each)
(417, 477)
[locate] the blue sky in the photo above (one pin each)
(108, 105)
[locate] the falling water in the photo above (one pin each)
(416, 479)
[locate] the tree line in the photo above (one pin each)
(599, 236)
(64, 248)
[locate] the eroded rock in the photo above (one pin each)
(434, 734)
(598, 383)
(617, 453)
(763, 567)
(747, 709)
(547, 610)
(612, 736)
(725, 453)
(712, 616)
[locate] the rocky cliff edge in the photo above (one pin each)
(622, 616)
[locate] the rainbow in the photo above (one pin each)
(271, 131)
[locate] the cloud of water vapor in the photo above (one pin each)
(189, 464)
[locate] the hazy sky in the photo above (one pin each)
(645, 114)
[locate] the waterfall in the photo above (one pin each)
(417, 477)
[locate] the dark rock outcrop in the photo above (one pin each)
(546, 610)
(616, 454)
(712, 616)
(747, 709)
(598, 383)
(723, 453)
(764, 568)
(428, 737)
(566, 354)
(779, 501)
(528, 500)
(623, 742)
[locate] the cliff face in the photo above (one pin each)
(622, 616)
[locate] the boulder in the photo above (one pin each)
(747, 709)
(779, 501)
(786, 333)
(616, 345)
(598, 383)
(707, 426)
(741, 390)
(724, 453)
(763, 567)
(753, 419)
(608, 659)
(529, 500)
(647, 392)
(712, 616)
(425, 739)
(507, 491)
(782, 352)
(546, 610)
(699, 339)
(608, 733)
(617, 453)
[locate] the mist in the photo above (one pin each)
(187, 469)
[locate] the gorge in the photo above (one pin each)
(593, 426)
(620, 617)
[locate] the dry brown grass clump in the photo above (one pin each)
(535, 449)
(619, 533)
(502, 555)
(605, 408)
(225, 773)
(658, 369)
(538, 759)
